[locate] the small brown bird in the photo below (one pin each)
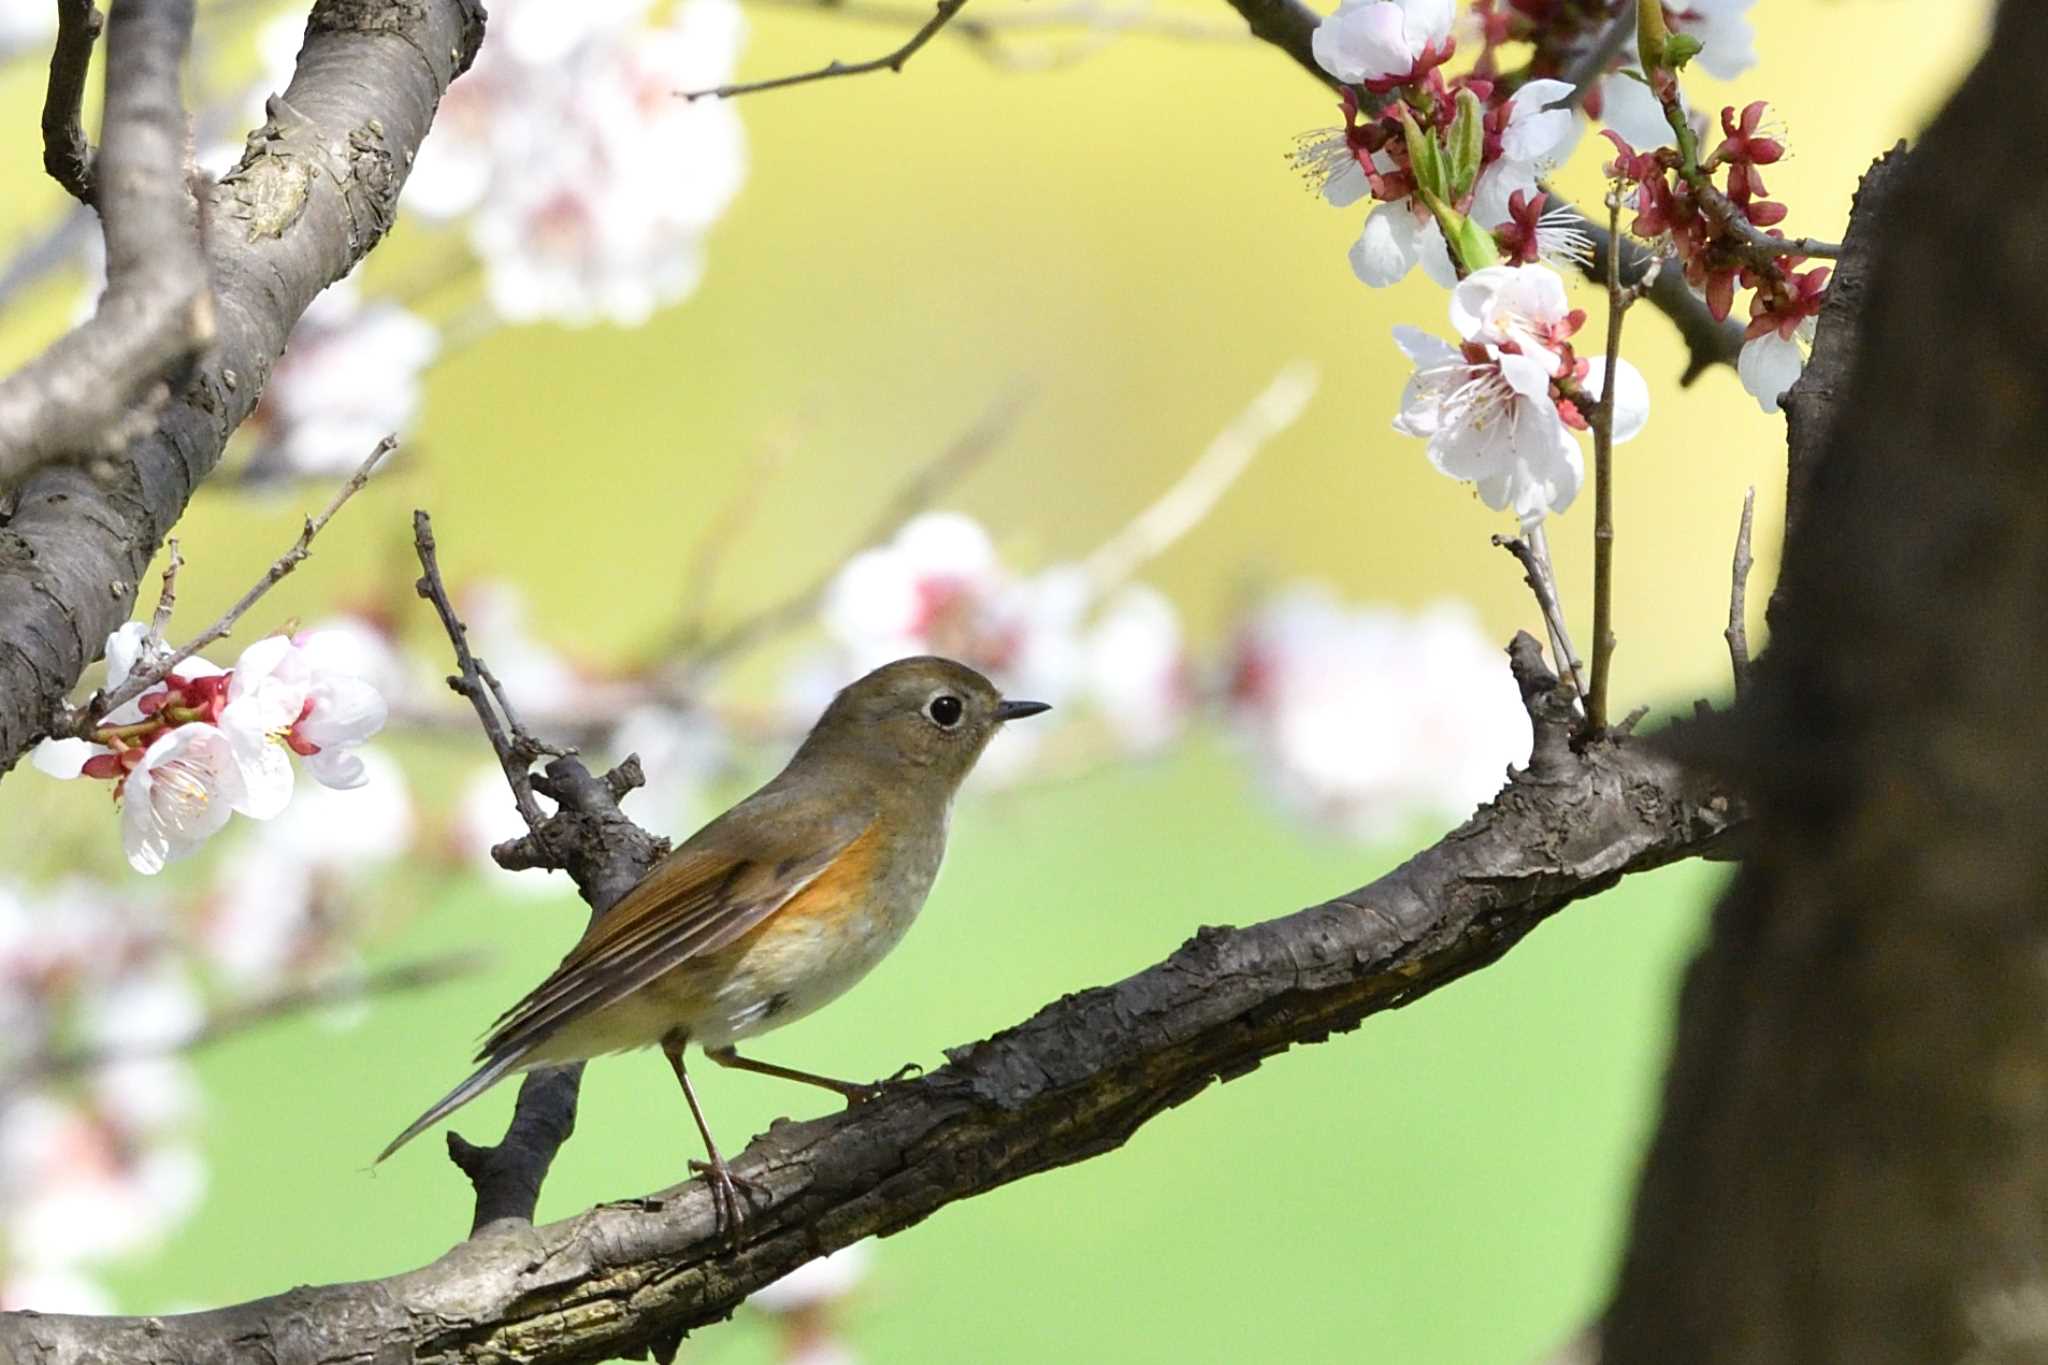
(772, 909)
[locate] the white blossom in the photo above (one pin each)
(179, 795)
(1771, 363)
(602, 183)
(1377, 40)
(1487, 406)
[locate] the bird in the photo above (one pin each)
(771, 910)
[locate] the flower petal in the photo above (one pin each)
(124, 647)
(1631, 395)
(1363, 42)
(1769, 365)
(64, 758)
(1387, 248)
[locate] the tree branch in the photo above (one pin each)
(1073, 1082)
(67, 154)
(85, 396)
(590, 838)
(1849, 1165)
(888, 61)
(316, 189)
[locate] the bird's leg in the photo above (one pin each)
(725, 1183)
(853, 1092)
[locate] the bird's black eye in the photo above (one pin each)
(945, 710)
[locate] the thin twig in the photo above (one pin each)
(916, 495)
(241, 1018)
(67, 152)
(1737, 633)
(890, 61)
(1180, 508)
(1728, 215)
(1602, 421)
(145, 678)
(516, 749)
(718, 538)
(167, 600)
(1533, 553)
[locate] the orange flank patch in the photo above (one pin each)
(842, 888)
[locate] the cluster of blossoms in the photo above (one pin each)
(1560, 34)
(1365, 718)
(204, 743)
(939, 587)
(1676, 201)
(1438, 155)
(588, 184)
(1500, 407)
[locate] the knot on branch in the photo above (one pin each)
(587, 836)
(1548, 701)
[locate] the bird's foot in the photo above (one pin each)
(857, 1095)
(732, 1194)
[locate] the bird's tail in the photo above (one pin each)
(485, 1077)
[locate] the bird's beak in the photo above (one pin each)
(1017, 710)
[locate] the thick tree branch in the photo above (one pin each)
(315, 190)
(1073, 1082)
(1850, 1164)
(97, 387)
(67, 154)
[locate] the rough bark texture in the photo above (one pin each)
(315, 190)
(1853, 1159)
(94, 389)
(1071, 1083)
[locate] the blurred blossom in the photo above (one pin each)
(536, 678)
(53, 1291)
(1137, 672)
(350, 376)
(680, 751)
(280, 909)
(486, 816)
(151, 1007)
(76, 1186)
(1363, 718)
(804, 1302)
(26, 25)
(591, 183)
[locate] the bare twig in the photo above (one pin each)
(990, 36)
(1602, 421)
(1737, 633)
(888, 61)
(717, 541)
(142, 679)
(81, 397)
(1533, 554)
(1177, 511)
(67, 153)
(916, 495)
(1762, 246)
(237, 1019)
(167, 599)
(516, 749)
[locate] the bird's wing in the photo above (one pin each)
(733, 875)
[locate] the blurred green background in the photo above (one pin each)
(1122, 236)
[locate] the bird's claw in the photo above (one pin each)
(729, 1207)
(857, 1095)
